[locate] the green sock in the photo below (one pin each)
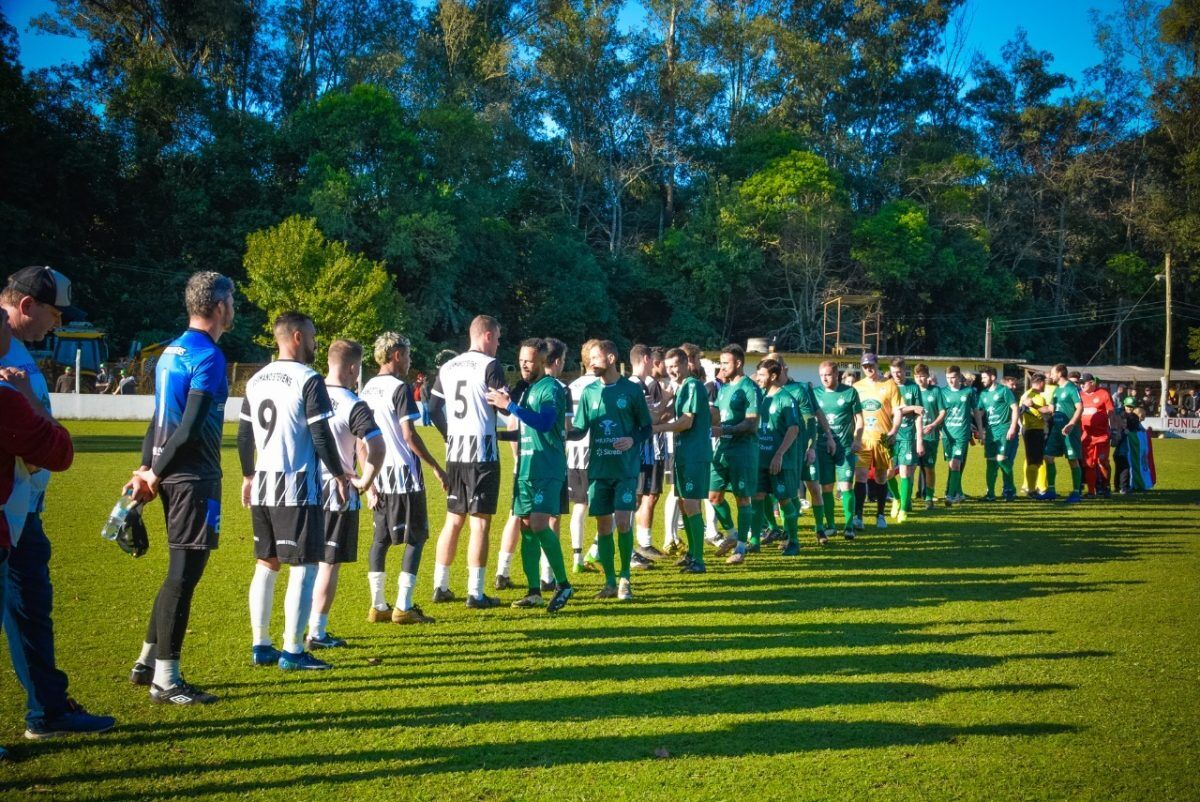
(1006, 472)
(1051, 474)
(606, 551)
(954, 484)
(827, 505)
(769, 512)
(1077, 478)
(930, 481)
(790, 518)
(531, 555)
(724, 515)
(992, 470)
(693, 526)
(848, 506)
(745, 522)
(554, 554)
(906, 493)
(625, 549)
(894, 488)
(759, 522)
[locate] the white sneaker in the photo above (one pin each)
(881, 522)
(624, 590)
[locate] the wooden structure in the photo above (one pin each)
(860, 314)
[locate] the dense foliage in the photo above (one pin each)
(716, 172)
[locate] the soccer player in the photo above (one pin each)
(843, 410)
(541, 471)
(1097, 420)
(1033, 426)
(1063, 439)
(690, 429)
(1002, 413)
(881, 407)
(578, 452)
(818, 472)
(654, 454)
(909, 448)
(614, 414)
(962, 418)
(781, 435)
(181, 461)
(459, 409)
(283, 437)
(735, 460)
(352, 423)
(932, 417)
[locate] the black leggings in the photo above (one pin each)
(169, 618)
(409, 563)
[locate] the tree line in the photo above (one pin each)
(713, 173)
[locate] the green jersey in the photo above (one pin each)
(694, 445)
(737, 401)
(910, 396)
(960, 407)
(543, 454)
(840, 405)
(931, 400)
(806, 405)
(996, 403)
(610, 412)
(776, 414)
(1066, 401)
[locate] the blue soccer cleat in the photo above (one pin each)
(304, 661)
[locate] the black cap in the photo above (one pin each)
(1087, 377)
(47, 285)
(869, 359)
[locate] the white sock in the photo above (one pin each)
(147, 653)
(404, 596)
(593, 553)
(710, 521)
(376, 580)
(578, 522)
(503, 563)
(441, 577)
(547, 574)
(262, 594)
(475, 581)
(670, 519)
(644, 537)
(316, 624)
(296, 605)
(166, 673)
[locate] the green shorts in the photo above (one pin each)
(537, 495)
(736, 474)
(930, 458)
(1070, 446)
(690, 479)
(844, 461)
(904, 453)
(783, 485)
(954, 447)
(606, 496)
(821, 470)
(995, 444)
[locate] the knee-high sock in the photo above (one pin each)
(262, 594)
(848, 505)
(893, 486)
(530, 552)
(791, 515)
(953, 483)
(1076, 478)
(745, 522)
(930, 482)
(992, 470)
(860, 497)
(769, 513)
(724, 515)
(606, 551)
(578, 522)
(625, 550)
(881, 492)
(1006, 475)
(1051, 474)
(297, 604)
(906, 493)
(693, 527)
(554, 555)
(758, 526)
(377, 581)
(827, 505)
(670, 519)
(1031, 476)
(404, 591)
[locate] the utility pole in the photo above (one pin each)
(987, 339)
(1166, 379)
(1120, 318)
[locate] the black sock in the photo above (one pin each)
(860, 497)
(881, 492)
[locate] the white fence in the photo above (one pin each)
(69, 406)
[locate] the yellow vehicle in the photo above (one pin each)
(89, 342)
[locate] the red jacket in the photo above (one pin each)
(34, 438)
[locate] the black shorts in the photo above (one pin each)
(193, 512)
(400, 519)
(341, 537)
(577, 485)
(650, 478)
(294, 535)
(1035, 445)
(564, 501)
(474, 487)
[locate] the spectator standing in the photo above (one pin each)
(127, 385)
(65, 382)
(1191, 402)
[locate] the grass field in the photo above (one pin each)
(989, 651)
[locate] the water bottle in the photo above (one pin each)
(116, 518)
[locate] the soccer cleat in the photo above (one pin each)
(624, 590)
(1009, 495)
(482, 602)
(442, 595)
(1073, 497)
(823, 538)
(72, 721)
(901, 517)
(141, 674)
(988, 497)
(327, 642)
(181, 694)
(848, 533)
(639, 563)
(304, 661)
(548, 586)
(791, 550)
(377, 616)
(583, 568)
(503, 582)
(1049, 495)
(685, 560)
(607, 592)
(412, 615)
(753, 548)
(265, 655)
(530, 600)
(560, 598)
(895, 511)
(929, 504)
(726, 545)
(714, 539)
(737, 558)
(648, 553)
(949, 502)
(776, 535)
(693, 568)
(858, 523)
(881, 522)
(675, 547)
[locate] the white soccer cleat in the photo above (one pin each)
(624, 590)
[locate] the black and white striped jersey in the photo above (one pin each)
(463, 383)
(579, 451)
(392, 400)
(655, 449)
(352, 421)
(281, 401)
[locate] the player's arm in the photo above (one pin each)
(1074, 421)
(190, 429)
(28, 433)
(245, 449)
(407, 411)
(436, 405)
(789, 437)
(681, 424)
(1014, 420)
(370, 448)
(317, 412)
(856, 443)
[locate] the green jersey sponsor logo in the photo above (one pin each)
(737, 401)
(959, 405)
(611, 412)
(840, 405)
(996, 403)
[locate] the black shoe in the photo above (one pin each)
(181, 694)
(440, 596)
(694, 568)
(529, 600)
(848, 534)
(503, 583)
(638, 562)
(685, 561)
(560, 598)
(141, 674)
(548, 587)
(482, 602)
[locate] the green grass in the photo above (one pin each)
(990, 651)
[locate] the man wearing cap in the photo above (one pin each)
(881, 409)
(1098, 412)
(36, 299)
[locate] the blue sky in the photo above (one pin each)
(1061, 26)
